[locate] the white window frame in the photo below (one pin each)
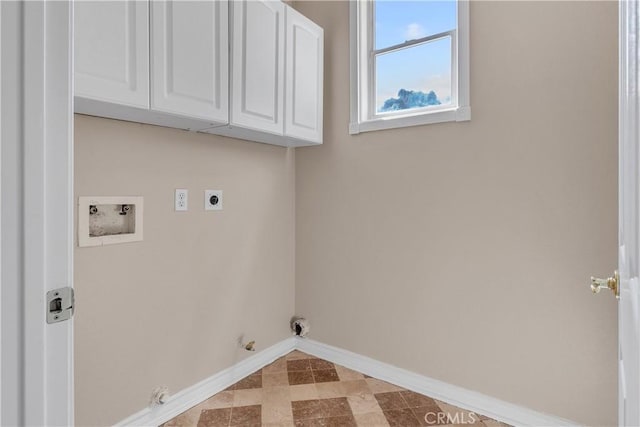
(364, 118)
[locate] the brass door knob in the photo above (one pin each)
(612, 283)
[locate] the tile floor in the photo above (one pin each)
(301, 390)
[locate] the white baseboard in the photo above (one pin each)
(189, 397)
(466, 399)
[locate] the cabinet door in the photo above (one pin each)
(190, 57)
(304, 77)
(258, 65)
(112, 51)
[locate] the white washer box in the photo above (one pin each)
(109, 220)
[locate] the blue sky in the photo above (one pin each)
(423, 68)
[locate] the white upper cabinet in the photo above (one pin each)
(112, 51)
(276, 75)
(304, 77)
(257, 88)
(189, 58)
(248, 69)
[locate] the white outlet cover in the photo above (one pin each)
(208, 194)
(182, 199)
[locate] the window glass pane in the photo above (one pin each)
(397, 21)
(414, 77)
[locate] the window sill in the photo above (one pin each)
(459, 114)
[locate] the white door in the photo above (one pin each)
(304, 77)
(257, 70)
(112, 51)
(189, 58)
(629, 216)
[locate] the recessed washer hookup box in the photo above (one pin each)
(109, 220)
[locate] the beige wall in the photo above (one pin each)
(463, 251)
(169, 310)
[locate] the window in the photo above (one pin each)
(409, 63)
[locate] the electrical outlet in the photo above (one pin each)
(181, 199)
(212, 200)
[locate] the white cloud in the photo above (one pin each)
(414, 31)
(439, 83)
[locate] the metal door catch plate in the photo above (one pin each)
(60, 303)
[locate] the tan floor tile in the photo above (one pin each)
(306, 409)
(303, 392)
(215, 417)
(190, 418)
(379, 386)
(445, 406)
(224, 399)
(274, 393)
(276, 412)
(402, 418)
(430, 415)
(296, 354)
(246, 397)
(494, 423)
(319, 364)
(456, 414)
(336, 407)
(341, 421)
(330, 390)
(268, 394)
(298, 365)
(252, 381)
(279, 424)
(276, 400)
(391, 401)
(416, 400)
(275, 380)
(347, 374)
(246, 416)
(300, 377)
(312, 422)
(279, 365)
(276, 405)
(371, 419)
(325, 376)
(186, 419)
(363, 404)
(356, 387)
